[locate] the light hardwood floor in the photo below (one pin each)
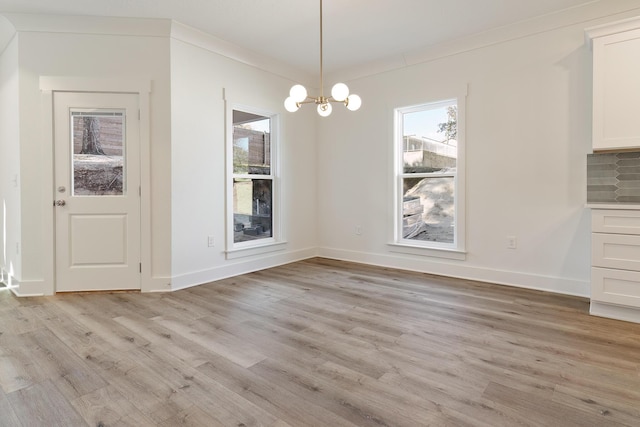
(317, 343)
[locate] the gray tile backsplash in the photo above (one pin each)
(613, 177)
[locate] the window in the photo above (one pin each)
(429, 196)
(252, 181)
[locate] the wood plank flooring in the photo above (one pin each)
(317, 343)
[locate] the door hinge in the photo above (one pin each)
(139, 114)
(140, 267)
(140, 190)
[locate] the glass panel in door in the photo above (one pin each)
(98, 147)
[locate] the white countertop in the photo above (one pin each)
(628, 206)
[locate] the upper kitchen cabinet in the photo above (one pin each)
(616, 85)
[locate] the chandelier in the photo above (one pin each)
(339, 93)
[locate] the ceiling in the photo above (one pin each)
(356, 32)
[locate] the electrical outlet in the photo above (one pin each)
(512, 242)
(211, 241)
(358, 230)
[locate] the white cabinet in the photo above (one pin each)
(622, 221)
(616, 85)
(615, 251)
(615, 257)
(621, 287)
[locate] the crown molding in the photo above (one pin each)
(611, 28)
(198, 38)
(7, 33)
(593, 16)
(76, 24)
(146, 27)
(595, 12)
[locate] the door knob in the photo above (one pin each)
(60, 203)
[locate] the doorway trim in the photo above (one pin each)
(142, 87)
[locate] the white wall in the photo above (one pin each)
(199, 77)
(56, 51)
(187, 142)
(528, 132)
(10, 263)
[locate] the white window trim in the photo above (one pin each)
(457, 249)
(263, 248)
(274, 243)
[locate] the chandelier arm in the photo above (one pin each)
(308, 101)
(320, 100)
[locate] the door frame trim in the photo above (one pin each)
(139, 86)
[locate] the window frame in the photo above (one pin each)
(456, 249)
(268, 244)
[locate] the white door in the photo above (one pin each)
(97, 191)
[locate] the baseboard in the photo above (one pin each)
(612, 311)
(24, 288)
(558, 285)
(156, 284)
(249, 265)
(168, 284)
(8, 282)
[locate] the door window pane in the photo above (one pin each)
(98, 147)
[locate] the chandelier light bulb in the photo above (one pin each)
(324, 109)
(340, 92)
(354, 102)
(291, 105)
(298, 93)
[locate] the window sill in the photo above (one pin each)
(429, 252)
(255, 250)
